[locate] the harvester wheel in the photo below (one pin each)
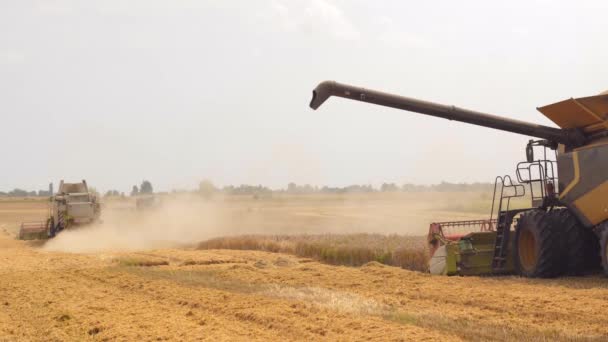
(538, 242)
(604, 249)
(580, 244)
(61, 224)
(51, 224)
(593, 260)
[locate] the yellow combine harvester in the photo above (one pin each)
(564, 231)
(73, 205)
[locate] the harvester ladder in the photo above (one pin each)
(504, 218)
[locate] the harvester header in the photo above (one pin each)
(571, 137)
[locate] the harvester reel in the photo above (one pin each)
(538, 245)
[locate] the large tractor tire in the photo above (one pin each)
(51, 224)
(580, 244)
(604, 249)
(538, 246)
(593, 259)
(61, 222)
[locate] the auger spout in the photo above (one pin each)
(325, 90)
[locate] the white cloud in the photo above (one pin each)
(520, 31)
(281, 13)
(11, 57)
(392, 35)
(315, 16)
(325, 15)
(55, 7)
(154, 7)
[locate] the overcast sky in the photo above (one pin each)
(179, 91)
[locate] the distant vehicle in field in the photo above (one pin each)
(73, 205)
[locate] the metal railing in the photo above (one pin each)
(513, 190)
(541, 177)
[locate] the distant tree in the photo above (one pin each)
(43, 193)
(206, 188)
(112, 193)
(408, 187)
(388, 187)
(146, 188)
(134, 191)
(245, 189)
(293, 188)
(18, 193)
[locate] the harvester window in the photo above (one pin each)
(79, 198)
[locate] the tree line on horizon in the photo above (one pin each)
(24, 193)
(144, 188)
(207, 188)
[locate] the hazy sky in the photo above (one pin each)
(178, 91)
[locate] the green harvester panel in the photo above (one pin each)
(472, 255)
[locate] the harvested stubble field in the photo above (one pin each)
(102, 283)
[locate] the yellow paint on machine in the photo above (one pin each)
(587, 113)
(577, 176)
(594, 204)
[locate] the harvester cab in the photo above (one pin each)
(563, 231)
(73, 205)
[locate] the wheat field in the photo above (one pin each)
(282, 268)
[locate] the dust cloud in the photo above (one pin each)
(185, 220)
(175, 222)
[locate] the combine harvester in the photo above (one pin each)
(559, 233)
(72, 206)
